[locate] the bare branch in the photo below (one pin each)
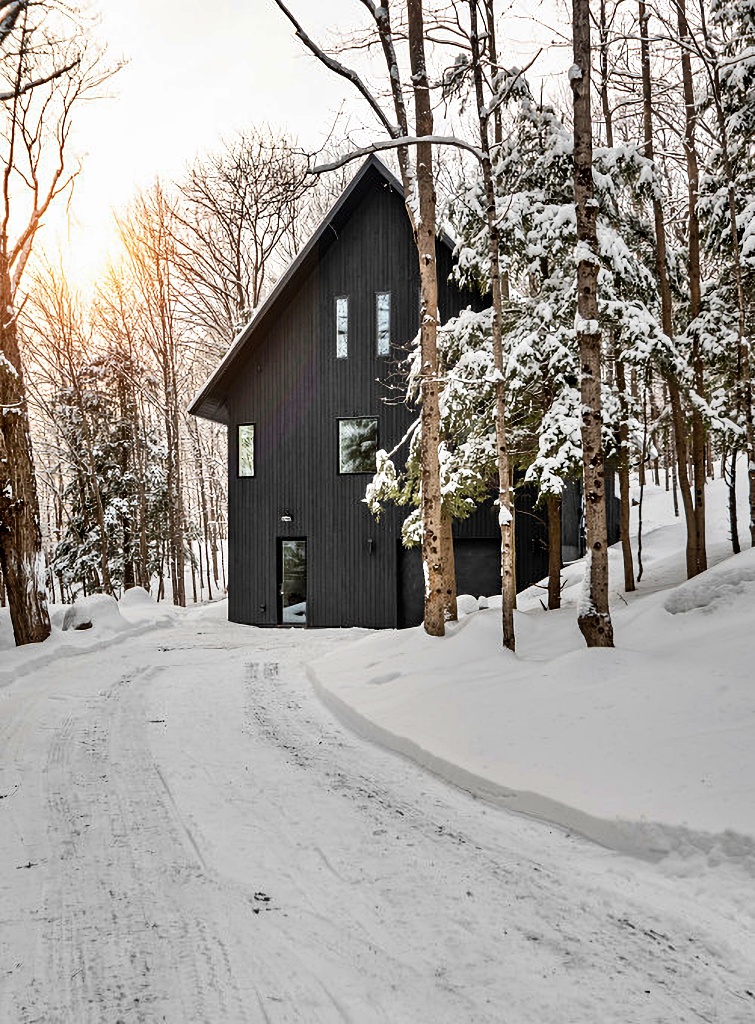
(383, 23)
(340, 69)
(28, 86)
(405, 140)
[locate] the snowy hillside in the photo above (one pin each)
(648, 748)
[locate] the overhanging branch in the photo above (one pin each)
(340, 69)
(404, 140)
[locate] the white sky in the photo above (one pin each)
(197, 72)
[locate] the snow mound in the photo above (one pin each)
(137, 605)
(466, 604)
(136, 597)
(717, 588)
(100, 612)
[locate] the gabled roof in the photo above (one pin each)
(209, 403)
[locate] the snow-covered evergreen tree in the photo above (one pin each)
(728, 218)
(536, 218)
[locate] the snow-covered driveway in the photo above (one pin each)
(186, 835)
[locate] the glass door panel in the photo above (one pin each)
(293, 582)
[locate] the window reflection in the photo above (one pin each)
(357, 445)
(383, 322)
(342, 327)
(246, 449)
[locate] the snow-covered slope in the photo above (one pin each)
(649, 748)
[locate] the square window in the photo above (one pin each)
(357, 445)
(383, 322)
(246, 449)
(342, 326)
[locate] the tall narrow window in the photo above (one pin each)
(342, 326)
(292, 582)
(383, 322)
(357, 445)
(246, 449)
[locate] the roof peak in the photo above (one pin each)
(209, 400)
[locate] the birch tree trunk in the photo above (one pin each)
(450, 607)
(594, 617)
(505, 495)
(432, 556)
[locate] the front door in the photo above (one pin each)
(292, 610)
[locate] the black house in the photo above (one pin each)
(303, 393)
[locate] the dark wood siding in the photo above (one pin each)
(477, 551)
(572, 515)
(293, 387)
(288, 381)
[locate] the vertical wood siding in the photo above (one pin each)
(292, 386)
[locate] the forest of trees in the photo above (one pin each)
(612, 225)
(132, 489)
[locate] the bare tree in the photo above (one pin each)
(694, 554)
(605, 26)
(695, 279)
(45, 70)
(148, 233)
(237, 223)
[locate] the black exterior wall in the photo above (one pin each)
(573, 520)
(291, 385)
(283, 375)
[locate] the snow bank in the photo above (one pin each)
(90, 624)
(136, 597)
(466, 604)
(648, 748)
(718, 588)
(138, 606)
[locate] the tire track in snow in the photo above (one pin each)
(394, 898)
(125, 902)
(621, 937)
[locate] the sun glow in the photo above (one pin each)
(81, 246)
(188, 83)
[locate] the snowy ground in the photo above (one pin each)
(187, 833)
(649, 748)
